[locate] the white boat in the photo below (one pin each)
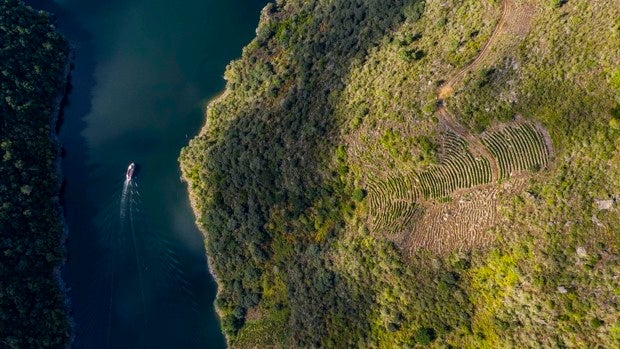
(130, 170)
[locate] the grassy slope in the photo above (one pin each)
(33, 69)
(330, 92)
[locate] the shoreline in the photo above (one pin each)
(192, 200)
(54, 136)
(214, 99)
(195, 212)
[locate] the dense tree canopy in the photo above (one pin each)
(33, 72)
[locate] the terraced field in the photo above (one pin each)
(458, 169)
(517, 148)
(460, 223)
(394, 203)
(451, 204)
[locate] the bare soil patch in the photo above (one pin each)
(463, 224)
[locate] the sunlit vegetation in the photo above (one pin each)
(33, 70)
(459, 169)
(393, 202)
(518, 148)
(514, 148)
(343, 207)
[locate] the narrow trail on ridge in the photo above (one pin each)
(445, 90)
(475, 146)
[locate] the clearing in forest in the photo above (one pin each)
(451, 205)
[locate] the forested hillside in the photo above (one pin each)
(410, 173)
(33, 72)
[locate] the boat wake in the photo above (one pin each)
(137, 262)
(129, 205)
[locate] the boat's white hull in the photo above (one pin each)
(130, 169)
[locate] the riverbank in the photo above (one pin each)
(55, 124)
(129, 105)
(210, 262)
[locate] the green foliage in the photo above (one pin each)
(329, 102)
(614, 122)
(260, 174)
(481, 105)
(398, 146)
(414, 10)
(410, 55)
(428, 150)
(358, 194)
(557, 3)
(615, 80)
(33, 57)
(425, 335)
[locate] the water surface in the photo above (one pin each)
(143, 70)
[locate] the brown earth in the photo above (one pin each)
(465, 222)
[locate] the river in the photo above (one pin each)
(143, 70)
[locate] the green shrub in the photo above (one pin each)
(557, 3)
(425, 335)
(358, 194)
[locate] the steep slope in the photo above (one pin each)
(423, 172)
(34, 65)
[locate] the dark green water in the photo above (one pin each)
(136, 264)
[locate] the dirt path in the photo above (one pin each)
(474, 144)
(445, 90)
(461, 224)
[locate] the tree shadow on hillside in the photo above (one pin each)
(270, 165)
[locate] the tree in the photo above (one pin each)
(425, 335)
(358, 194)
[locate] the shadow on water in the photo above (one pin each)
(136, 268)
(78, 206)
(137, 277)
(84, 255)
